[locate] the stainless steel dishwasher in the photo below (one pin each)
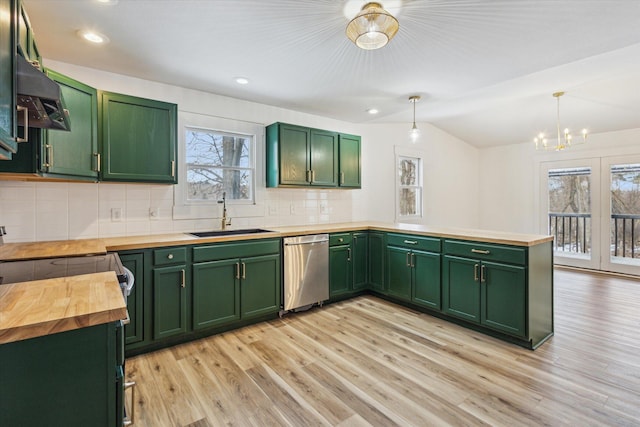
(306, 271)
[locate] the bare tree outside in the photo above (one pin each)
(410, 186)
(570, 209)
(625, 211)
(219, 162)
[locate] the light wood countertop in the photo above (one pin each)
(52, 249)
(44, 307)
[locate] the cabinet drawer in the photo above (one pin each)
(340, 239)
(431, 244)
(170, 256)
(485, 251)
(236, 250)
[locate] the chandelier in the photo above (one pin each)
(373, 27)
(414, 133)
(565, 139)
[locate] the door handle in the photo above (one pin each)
(97, 156)
(348, 254)
(410, 242)
(475, 272)
(408, 262)
(483, 277)
(479, 251)
(26, 124)
(130, 419)
(341, 177)
(244, 270)
(413, 264)
(173, 168)
(184, 280)
(237, 270)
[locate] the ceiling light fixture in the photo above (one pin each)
(93, 37)
(414, 133)
(565, 139)
(242, 80)
(373, 27)
(373, 111)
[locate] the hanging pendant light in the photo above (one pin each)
(565, 139)
(373, 27)
(414, 133)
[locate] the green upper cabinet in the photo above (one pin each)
(8, 120)
(139, 139)
(26, 39)
(349, 160)
(298, 156)
(73, 153)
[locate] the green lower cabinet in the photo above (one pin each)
(461, 288)
(377, 244)
(260, 286)
(504, 298)
(488, 293)
(360, 260)
(64, 379)
(399, 273)
(169, 301)
(340, 273)
(216, 293)
(426, 279)
(134, 331)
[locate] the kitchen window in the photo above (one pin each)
(219, 162)
(409, 187)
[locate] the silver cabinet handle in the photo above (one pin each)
(129, 420)
(341, 177)
(308, 176)
(50, 152)
(237, 270)
(475, 272)
(46, 156)
(483, 276)
(170, 256)
(97, 156)
(173, 168)
(348, 254)
(184, 281)
(244, 270)
(313, 176)
(408, 262)
(413, 264)
(340, 240)
(26, 124)
(480, 251)
(410, 242)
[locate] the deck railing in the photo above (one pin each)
(571, 233)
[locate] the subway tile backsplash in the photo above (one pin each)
(40, 211)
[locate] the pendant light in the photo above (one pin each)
(373, 27)
(414, 133)
(565, 139)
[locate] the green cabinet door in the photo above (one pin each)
(504, 298)
(216, 293)
(399, 273)
(426, 279)
(323, 158)
(340, 273)
(134, 331)
(294, 143)
(169, 301)
(8, 118)
(349, 161)
(73, 153)
(139, 139)
(260, 285)
(377, 244)
(360, 260)
(461, 288)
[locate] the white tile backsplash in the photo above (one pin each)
(39, 211)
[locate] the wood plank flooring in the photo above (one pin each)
(367, 362)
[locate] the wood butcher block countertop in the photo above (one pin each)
(44, 307)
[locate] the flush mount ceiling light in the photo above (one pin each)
(242, 80)
(414, 133)
(565, 139)
(373, 111)
(373, 27)
(93, 36)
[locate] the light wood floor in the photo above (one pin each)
(369, 362)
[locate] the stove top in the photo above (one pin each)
(50, 268)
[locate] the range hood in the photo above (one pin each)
(41, 96)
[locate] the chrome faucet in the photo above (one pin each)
(225, 221)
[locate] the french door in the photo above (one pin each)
(592, 208)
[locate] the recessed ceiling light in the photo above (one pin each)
(242, 80)
(107, 2)
(373, 111)
(93, 36)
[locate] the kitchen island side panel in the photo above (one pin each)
(540, 293)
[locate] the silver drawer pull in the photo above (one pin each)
(129, 420)
(411, 242)
(480, 251)
(340, 239)
(170, 256)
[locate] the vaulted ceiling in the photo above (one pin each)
(485, 69)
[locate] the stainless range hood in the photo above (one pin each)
(41, 96)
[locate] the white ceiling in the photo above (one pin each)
(486, 69)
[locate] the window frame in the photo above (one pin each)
(406, 153)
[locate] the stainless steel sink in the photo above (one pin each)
(229, 232)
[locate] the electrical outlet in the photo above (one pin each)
(154, 213)
(292, 208)
(324, 207)
(273, 209)
(116, 214)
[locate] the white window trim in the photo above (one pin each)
(201, 209)
(399, 152)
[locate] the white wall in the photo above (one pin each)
(510, 178)
(37, 211)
